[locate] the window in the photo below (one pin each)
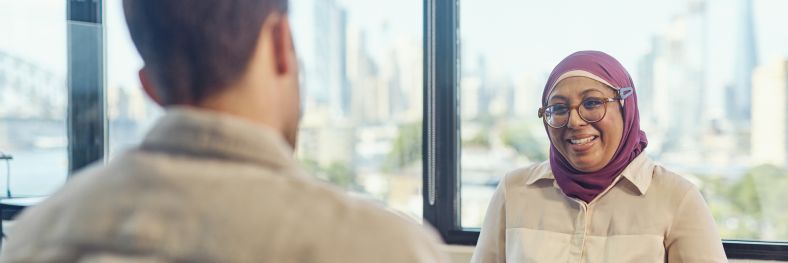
(130, 113)
(712, 99)
(726, 132)
(33, 97)
(362, 97)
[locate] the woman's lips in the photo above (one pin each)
(582, 144)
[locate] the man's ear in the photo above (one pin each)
(149, 87)
(284, 51)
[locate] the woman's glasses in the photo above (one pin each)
(591, 109)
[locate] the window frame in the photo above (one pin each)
(441, 195)
(86, 118)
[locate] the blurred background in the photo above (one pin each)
(711, 77)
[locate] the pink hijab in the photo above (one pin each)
(606, 69)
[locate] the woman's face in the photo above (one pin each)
(588, 147)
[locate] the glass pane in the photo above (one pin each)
(33, 97)
(712, 80)
(361, 85)
(130, 112)
(362, 96)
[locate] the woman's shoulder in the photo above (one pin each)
(671, 185)
(528, 174)
(664, 177)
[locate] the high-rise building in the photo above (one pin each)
(370, 101)
(644, 83)
(770, 114)
(527, 96)
(746, 60)
(409, 62)
(671, 78)
(320, 30)
(329, 72)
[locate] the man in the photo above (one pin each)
(215, 179)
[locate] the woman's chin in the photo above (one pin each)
(586, 166)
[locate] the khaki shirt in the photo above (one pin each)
(648, 214)
(207, 187)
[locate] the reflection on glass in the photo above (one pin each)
(362, 96)
(711, 78)
(33, 96)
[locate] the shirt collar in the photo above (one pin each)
(638, 172)
(192, 131)
(542, 172)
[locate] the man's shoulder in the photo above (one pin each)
(35, 230)
(257, 204)
(379, 234)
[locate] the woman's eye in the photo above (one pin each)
(592, 103)
(558, 109)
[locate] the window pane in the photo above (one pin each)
(361, 87)
(712, 80)
(130, 112)
(33, 96)
(361, 73)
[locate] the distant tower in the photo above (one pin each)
(746, 61)
(330, 85)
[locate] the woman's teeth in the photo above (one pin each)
(582, 141)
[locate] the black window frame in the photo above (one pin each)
(86, 118)
(441, 143)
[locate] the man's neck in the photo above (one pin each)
(246, 106)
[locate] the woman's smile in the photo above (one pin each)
(582, 144)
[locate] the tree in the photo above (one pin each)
(336, 173)
(406, 148)
(755, 200)
(520, 137)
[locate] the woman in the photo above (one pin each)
(598, 198)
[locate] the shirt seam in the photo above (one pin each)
(677, 211)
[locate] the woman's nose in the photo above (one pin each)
(574, 119)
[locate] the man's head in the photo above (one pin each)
(234, 56)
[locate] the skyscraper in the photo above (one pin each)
(671, 75)
(327, 79)
(746, 60)
(770, 114)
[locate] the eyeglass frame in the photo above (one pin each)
(623, 94)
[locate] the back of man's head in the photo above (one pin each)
(195, 48)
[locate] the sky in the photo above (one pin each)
(516, 37)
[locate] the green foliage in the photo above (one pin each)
(744, 196)
(406, 148)
(480, 140)
(520, 137)
(336, 173)
(341, 175)
(755, 202)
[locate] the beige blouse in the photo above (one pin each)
(649, 214)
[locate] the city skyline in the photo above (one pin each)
(354, 66)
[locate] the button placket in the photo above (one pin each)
(579, 236)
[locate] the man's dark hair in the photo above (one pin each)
(194, 48)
